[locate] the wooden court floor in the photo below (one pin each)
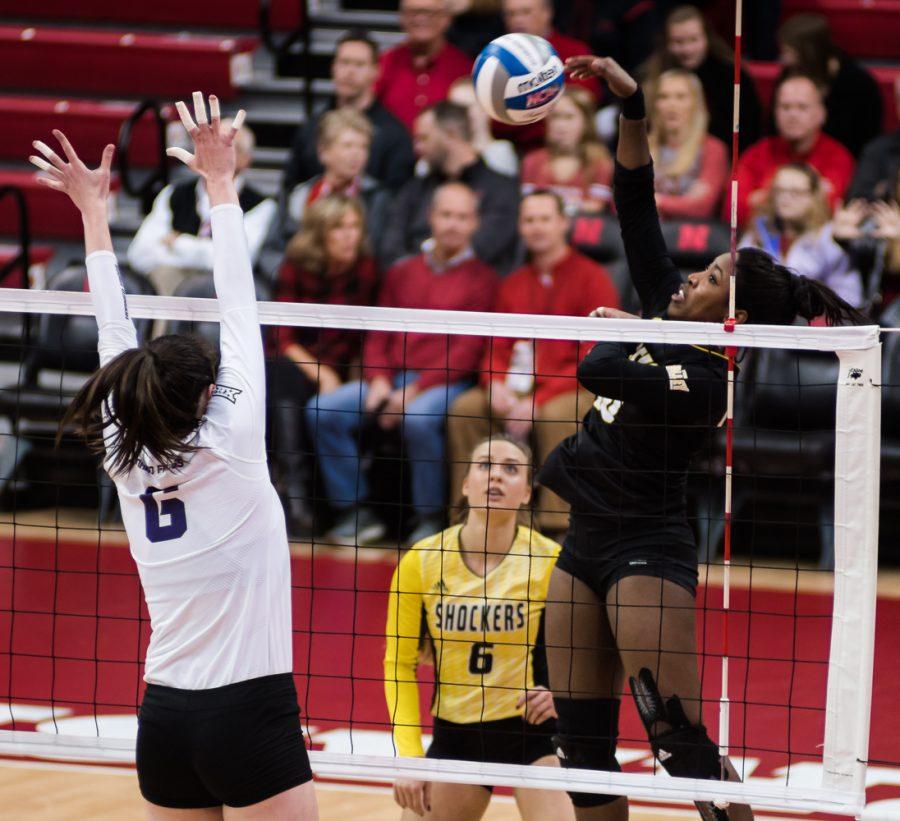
(72, 792)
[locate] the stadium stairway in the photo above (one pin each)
(84, 68)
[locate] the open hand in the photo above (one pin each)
(887, 220)
(538, 704)
(848, 220)
(413, 795)
(214, 156)
(620, 82)
(88, 189)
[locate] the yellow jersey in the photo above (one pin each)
(482, 630)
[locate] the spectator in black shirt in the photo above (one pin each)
(879, 163)
(852, 98)
(621, 597)
(354, 71)
(689, 42)
(624, 29)
(443, 138)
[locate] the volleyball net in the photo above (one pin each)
(798, 635)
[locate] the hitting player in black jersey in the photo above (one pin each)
(621, 598)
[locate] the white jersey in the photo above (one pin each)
(208, 533)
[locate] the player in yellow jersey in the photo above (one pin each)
(473, 597)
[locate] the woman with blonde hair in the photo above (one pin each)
(688, 41)
(793, 228)
(691, 165)
(343, 139)
(573, 163)
(471, 598)
(327, 262)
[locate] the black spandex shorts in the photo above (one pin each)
(235, 745)
(602, 568)
(505, 741)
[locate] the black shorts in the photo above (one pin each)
(235, 745)
(602, 567)
(505, 741)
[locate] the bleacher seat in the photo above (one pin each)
(765, 74)
(234, 14)
(124, 63)
(88, 124)
(863, 28)
(51, 214)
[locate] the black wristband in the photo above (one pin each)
(633, 106)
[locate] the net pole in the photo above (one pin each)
(730, 352)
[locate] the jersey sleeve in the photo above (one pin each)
(402, 634)
(116, 332)
(238, 403)
(654, 274)
(679, 391)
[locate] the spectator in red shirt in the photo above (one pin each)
(528, 387)
(327, 261)
(410, 379)
(536, 17)
(690, 165)
(574, 163)
(799, 117)
(418, 73)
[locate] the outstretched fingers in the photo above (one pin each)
(56, 184)
(107, 157)
(200, 108)
(185, 115)
(50, 154)
(180, 154)
(44, 166)
(214, 114)
(67, 148)
(236, 124)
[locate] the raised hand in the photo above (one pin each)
(848, 219)
(88, 189)
(620, 82)
(887, 221)
(214, 155)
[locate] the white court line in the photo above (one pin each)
(327, 786)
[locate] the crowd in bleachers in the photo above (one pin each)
(400, 192)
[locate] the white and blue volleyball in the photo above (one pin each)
(518, 78)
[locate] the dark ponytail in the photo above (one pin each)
(773, 295)
(144, 401)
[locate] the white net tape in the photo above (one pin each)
(838, 786)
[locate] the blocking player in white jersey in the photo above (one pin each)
(219, 729)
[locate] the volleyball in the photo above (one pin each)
(518, 78)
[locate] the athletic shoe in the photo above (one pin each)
(356, 527)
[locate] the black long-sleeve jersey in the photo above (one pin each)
(625, 472)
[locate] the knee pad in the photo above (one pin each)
(588, 732)
(684, 749)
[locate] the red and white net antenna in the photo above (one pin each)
(730, 352)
